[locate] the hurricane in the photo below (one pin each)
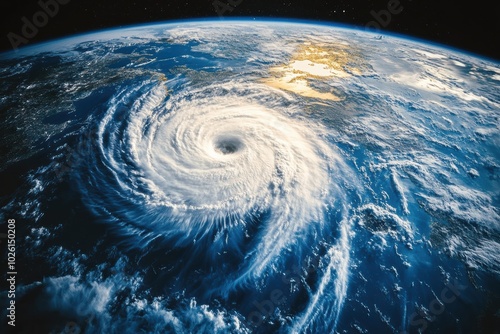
(230, 167)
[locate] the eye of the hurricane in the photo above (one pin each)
(228, 145)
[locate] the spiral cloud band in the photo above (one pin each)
(212, 163)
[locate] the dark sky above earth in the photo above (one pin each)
(472, 26)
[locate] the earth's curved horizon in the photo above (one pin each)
(251, 176)
(379, 33)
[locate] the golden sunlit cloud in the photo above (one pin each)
(311, 62)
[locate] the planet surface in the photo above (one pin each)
(250, 177)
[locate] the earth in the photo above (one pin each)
(249, 177)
